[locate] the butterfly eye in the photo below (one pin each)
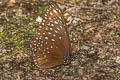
(51, 45)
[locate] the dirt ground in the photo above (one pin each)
(94, 30)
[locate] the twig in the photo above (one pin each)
(96, 8)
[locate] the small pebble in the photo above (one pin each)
(1, 29)
(85, 47)
(39, 19)
(118, 59)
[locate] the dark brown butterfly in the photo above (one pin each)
(51, 45)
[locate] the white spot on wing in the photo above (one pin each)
(54, 11)
(49, 33)
(49, 18)
(51, 13)
(40, 38)
(37, 38)
(45, 17)
(56, 22)
(51, 46)
(40, 26)
(52, 5)
(45, 14)
(51, 29)
(35, 49)
(52, 40)
(43, 20)
(39, 29)
(43, 33)
(60, 26)
(56, 31)
(46, 37)
(34, 44)
(48, 52)
(43, 23)
(46, 28)
(52, 24)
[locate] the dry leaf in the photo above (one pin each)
(59, 1)
(98, 36)
(11, 3)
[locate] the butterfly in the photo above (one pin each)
(51, 45)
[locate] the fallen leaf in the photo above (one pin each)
(59, 1)
(98, 36)
(11, 3)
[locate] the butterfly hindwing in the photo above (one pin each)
(51, 43)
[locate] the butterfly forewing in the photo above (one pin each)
(51, 43)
